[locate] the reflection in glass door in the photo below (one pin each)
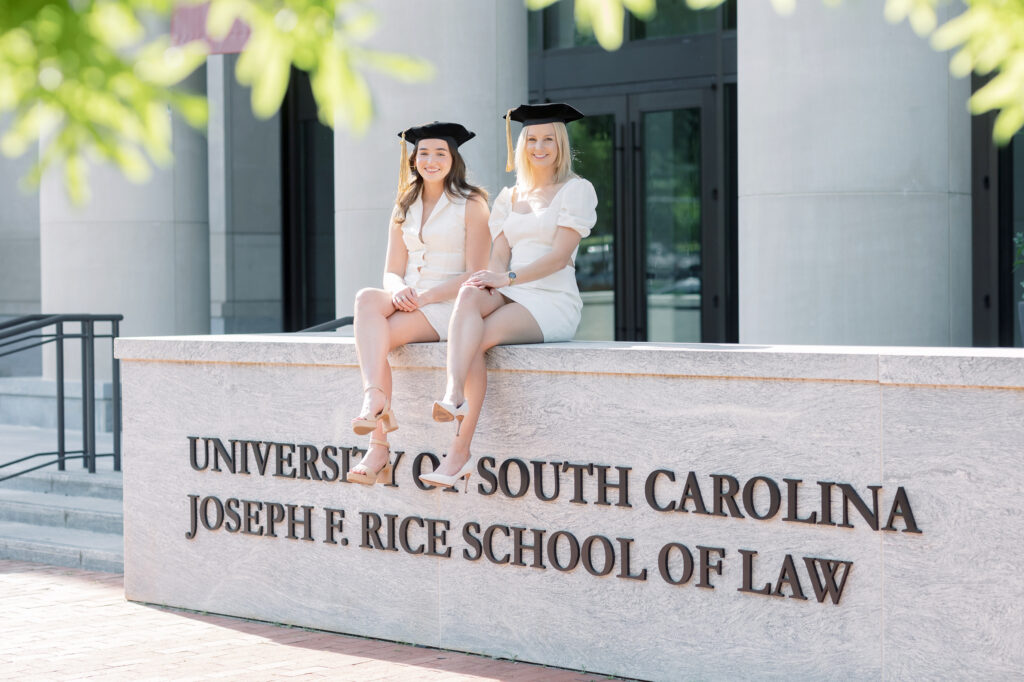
(652, 267)
(671, 215)
(593, 143)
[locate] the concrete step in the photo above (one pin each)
(65, 518)
(106, 485)
(62, 546)
(18, 441)
(61, 511)
(32, 401)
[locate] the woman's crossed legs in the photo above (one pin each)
(483, 318)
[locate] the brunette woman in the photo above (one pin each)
(438, 232)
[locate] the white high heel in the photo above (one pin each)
(445, 411)
(434, 478)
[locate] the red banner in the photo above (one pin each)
(189, 23)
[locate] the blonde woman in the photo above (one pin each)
(528, 292)
(438, 232)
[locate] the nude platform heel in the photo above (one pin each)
(382, 475)
(362, 426)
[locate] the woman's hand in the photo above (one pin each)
(406, 300)
(487, 279)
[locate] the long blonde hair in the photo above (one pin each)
(563, 160)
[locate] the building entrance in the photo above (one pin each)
(657, 144)
(653, 267)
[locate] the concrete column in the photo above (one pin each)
(138, 250)
(245, 208)
(19, 254)
(479, 51)
(854, 181)
(19, 239)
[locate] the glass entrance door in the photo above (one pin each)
(647, 268)
(672, 177)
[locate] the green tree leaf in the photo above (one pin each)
(86, 80)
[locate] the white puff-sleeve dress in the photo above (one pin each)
(553, 301)
(437, 252)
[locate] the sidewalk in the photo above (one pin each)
(63, 624)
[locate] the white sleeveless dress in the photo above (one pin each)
(437, 252)
(553, 301)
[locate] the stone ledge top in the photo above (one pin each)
(980, 367)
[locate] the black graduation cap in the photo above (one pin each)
(454, 134)
(535, 114)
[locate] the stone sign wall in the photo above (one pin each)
(644, 510)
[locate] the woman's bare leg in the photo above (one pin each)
(400, 328)
(508, 324)
(372, 309)
(465, 333)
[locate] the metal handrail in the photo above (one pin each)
(65, 457)
(47, 338)
(330, 326)
(18, 331)
(21, 320)
(37, 321)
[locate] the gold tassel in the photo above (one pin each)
(404, 180)
(510, 161)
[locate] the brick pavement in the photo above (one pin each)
(64, 624)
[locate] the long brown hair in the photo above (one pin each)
(455, 183)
